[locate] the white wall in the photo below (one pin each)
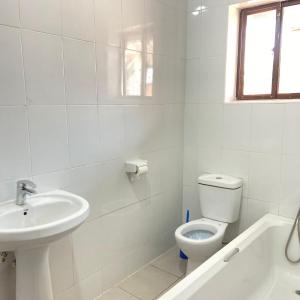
(64, 124)
(256, 141)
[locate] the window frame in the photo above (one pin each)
(244, 13)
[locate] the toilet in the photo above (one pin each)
(220, 200)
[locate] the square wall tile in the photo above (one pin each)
(291, 141)
(12, 84)
(43, 61)
(290, 179)
(48, 138)
(170, 32)
(193, 73)
(111, 131)
(154, 33)
(181, 29)
(53, 181)
(109, 77)
(121, 222)
(214, 34)
(210, 125)
(87, 289)
(143, 128)
(235, 163)
(135, 128)
(179, 81)
(257, 209)
(133, 21)
(267, 124)
(209, 161)
(80, 71)
(158, 173)
(212, 79)
(108, 15)
(236, 128)
(193, 5)
(86, 181)
(191, 202)
(87, 241)
(108, 236)
(78, 19)
(194, 43)
(61, 264)
(14, 150)
(205, 80)
(97, 183)
(264, 177)
(190, 166)
(174, 119)
(155, 127)
(8, 190)
(84, 142)
(191, 124)
(9, 12)
(42, 15)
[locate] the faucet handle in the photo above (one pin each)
(24, 182)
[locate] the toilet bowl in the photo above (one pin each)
(220, 199)
(199, 240)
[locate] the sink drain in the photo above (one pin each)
(297, 292)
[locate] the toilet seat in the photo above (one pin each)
(215, 228)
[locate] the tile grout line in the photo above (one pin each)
(118, 285)
(170, 287)
(167, 272)
(129, 293)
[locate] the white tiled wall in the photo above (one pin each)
(256, 141)
(65, 124)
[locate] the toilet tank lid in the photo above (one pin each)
(221, 181)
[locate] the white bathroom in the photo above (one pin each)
(149, 149)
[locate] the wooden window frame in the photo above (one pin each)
(278, 6)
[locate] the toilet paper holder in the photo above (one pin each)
(135, 168)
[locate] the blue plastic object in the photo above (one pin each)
(187, 219)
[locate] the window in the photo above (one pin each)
(269, 52)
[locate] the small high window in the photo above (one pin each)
(269, 52)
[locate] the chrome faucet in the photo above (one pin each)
(24, 188)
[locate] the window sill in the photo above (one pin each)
(273, 101)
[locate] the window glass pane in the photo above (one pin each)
(133, 73)
(289, 81)
(259, 53)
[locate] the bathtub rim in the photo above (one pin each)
(193, 282)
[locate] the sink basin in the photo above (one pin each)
(44, 218)
(29, 229)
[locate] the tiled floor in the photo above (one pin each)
(151, 281)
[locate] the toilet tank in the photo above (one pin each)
(220, 197)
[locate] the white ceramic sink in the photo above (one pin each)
(44, 218)
(29, 229)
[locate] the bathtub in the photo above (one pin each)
(252, 267)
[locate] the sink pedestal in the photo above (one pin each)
(33, 274)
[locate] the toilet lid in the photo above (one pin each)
(198, 234)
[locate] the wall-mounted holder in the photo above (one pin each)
(136, 168)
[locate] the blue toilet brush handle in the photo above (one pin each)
(187, 219)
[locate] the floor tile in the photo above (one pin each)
(170, 262)
(116, 294)
(170, 287)
(148, 283)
